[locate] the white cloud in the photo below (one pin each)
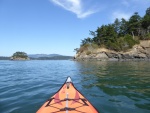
(120, 15)
(75, 6)
(126, 3)
(135, 2)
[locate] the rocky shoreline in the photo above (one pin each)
(138, 52)
(22, 59)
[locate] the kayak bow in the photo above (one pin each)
(67, 100)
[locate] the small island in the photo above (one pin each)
(20, 56)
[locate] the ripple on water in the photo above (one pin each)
(112, 87)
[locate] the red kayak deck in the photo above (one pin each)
(67, 100)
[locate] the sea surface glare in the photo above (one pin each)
(112, 87)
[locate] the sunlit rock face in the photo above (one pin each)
(138, 52)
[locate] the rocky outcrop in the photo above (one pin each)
(138, 52)
(12, 58)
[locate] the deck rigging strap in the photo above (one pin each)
(67, 99)
(67, 109)
(49, 101)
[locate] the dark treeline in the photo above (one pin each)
(20, 55)
(4, 58)
(120, 35)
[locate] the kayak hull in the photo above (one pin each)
(67, 100)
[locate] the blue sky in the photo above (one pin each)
(57, 26)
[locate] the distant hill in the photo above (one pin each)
(49, 57)
(42, 55)
(4, 58)
(54, 58)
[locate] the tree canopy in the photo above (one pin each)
(122, 34)
(20, 55)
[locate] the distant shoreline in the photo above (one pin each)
(41, 58)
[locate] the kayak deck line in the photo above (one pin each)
(67, 100)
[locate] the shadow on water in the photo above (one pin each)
(120, 86)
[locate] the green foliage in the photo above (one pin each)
(86, 41)
(117, 25)
(146, 21)
(123, 28)
(134, 23)
(148, 11)
(20, 55)
(120, 35)
(105, 34)
(130, 42)
(76, 50)
(113, 46)
(94, 46)
(147, 36)
(122, 43)
(84, 48)
(88, 52)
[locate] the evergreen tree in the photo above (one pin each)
(19, 54)
(148, 11)
(146, 19)
(117, 25)
(121, 35)
(134, 24)
(123, 27)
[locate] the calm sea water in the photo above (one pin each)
(112, 87)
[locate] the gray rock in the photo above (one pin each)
(101, 56)
(143, 56)
(148, 51)
(138, 52)
(112, 55)
(127, 56)
(140, 56)
(148, 56)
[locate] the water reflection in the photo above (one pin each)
(130, 80)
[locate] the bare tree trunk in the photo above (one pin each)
(133, 35)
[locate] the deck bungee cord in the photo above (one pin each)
(67, 100)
